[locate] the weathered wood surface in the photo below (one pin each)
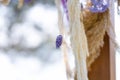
(104, 66)
(100, 69)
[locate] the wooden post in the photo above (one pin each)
(100, 68)
(104, 66)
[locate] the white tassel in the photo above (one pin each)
(78, 39)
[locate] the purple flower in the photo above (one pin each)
(59, 41)
(98, 6)
(64, 4)
(104, 8)
(94, 2)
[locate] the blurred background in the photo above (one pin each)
(27, 42)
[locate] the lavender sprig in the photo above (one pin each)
(64, 4)
(59, 41)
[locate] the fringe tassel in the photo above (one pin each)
(78, 38)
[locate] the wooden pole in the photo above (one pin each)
(100, 69)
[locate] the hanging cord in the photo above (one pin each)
(78, 39)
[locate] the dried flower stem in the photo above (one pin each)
(64, 45)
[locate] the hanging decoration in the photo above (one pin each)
(89, 21)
